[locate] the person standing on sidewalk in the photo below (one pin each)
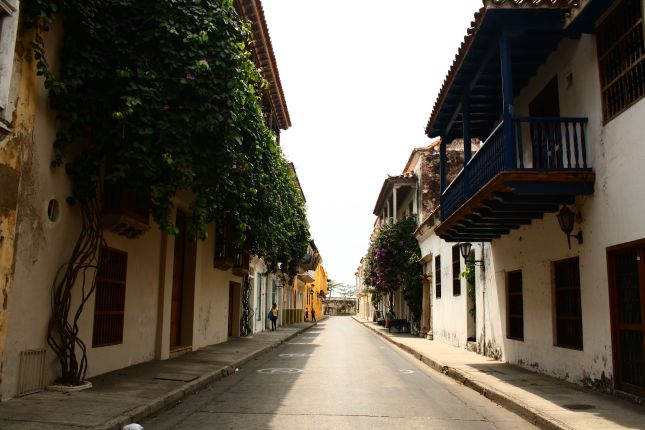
(307, 313)
(274, 317)
(313, 316)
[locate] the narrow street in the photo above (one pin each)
(336, 375)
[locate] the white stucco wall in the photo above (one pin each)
(211, 296)
(612, 215)
(449, 312)
(43, 246)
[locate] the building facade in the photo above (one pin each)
(161, 295)
(555, 91)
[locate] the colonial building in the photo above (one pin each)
(554, 90)
(448, 309)
(162, 295)
(397, 200)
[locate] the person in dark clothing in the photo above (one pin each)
(313, 315)
(274, 317)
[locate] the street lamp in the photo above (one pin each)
(566, 219)
(464, 249)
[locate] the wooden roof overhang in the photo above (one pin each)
(388, 186)
(265, 58)
(475, 75)
(513, 199)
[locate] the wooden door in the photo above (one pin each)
(545, 136)
(179, 264)
(627, 299)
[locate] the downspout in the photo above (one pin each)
(483, 266)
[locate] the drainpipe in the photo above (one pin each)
(483, 299)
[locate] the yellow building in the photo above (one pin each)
(317, 291)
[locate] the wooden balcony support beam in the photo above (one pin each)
(497, 206)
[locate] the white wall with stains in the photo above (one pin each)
(611, 216)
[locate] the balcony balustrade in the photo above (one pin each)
(535, 156)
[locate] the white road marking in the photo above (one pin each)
(280, 371)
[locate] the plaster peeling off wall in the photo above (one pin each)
(15, 156)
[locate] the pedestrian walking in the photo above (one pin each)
(274, 317)
(307, 313)
(313, 315)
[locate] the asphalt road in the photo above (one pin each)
(338, 375)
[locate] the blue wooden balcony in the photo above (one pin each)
(519, 173)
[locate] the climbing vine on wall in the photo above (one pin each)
(163, 96)
(393, 262)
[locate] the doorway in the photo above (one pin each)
(234, 301)
(178, 281)
(545, 135)
(626, 270)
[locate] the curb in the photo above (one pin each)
(155, 405)
(532, 415)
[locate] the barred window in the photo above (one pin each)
(621, 58)
(515, 305)
(109, 305)
(568, 309)
(437, 276)
(456, 271)
(8, 29)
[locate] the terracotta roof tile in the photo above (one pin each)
(263, 50)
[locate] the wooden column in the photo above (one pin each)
(394, 202)
(442, 171)
(465, 114)
(507, 93)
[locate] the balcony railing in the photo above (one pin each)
(540, 144)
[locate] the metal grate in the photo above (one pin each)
(568, 308)
(515, 305)
(109, 306)
(32, 368)
(621, 58)
(456, 271)
(437, 276)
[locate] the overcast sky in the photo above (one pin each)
(360, 78)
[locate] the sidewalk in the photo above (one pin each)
(546, 402)
(130, 394)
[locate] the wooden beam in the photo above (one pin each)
(497, 206)
(519, 199)
(473, 82)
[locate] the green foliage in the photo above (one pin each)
(376, 299)
(393, 262)
(343, 290)
(163, 96)
(469, 276)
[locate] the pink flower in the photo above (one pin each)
(165, 106)
(190, 77)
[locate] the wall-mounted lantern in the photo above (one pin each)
(566, 219)
(464, 249)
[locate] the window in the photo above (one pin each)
(568, 310)
(8, 28)
(437, 276)
(109, 306)
(514, 305)
(456, 271)
(621, 55)
(258, 293)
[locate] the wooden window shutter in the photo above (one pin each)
(109, 306)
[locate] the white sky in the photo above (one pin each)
(360, 78)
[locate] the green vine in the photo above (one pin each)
(162, 96)
(393, 262)
(469, 275)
